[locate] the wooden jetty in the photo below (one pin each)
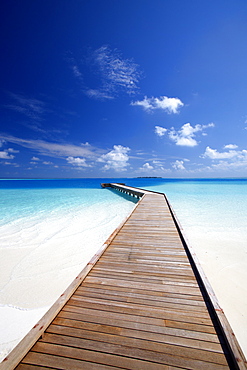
(141, 303)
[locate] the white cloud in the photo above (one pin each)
(170, 105)
(236, 164)
(186, 135)
(47, 163)
(11, 164)
(147, 166)
(230, 146)
(80, 162)
(232, 160)
(178, 165)
(160, 131)
(98, 94)
(76, 71)
(115, 74)
(156, 167)
(55, 149)
(35, 159)
(6, 155)
(145, 103)
(11, 150)
(214, 154)
(116, 159)
(32, 108)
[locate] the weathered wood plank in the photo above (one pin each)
(127, 328)
(133, 300)
(147, 286)
(150, 309)
(114, 344)
(122, 357)
(74, 358)
(183, 316)
(140, 307)
(151, 299)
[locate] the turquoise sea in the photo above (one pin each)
(49, 229)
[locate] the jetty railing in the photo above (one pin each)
(220, 316)
(134, 192)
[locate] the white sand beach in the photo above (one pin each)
(42, 260)
(39, 262)
(224, 262)
(213, 217)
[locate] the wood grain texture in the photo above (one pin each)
(141, 306)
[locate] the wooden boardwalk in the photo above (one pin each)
(142, 306)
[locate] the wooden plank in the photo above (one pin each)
(194, 299)
(141, 278)
(15, 356)
(133, 300)
(168, 327)
(144, 306)
(31, 367)
(147, 286)
(125, 346)
(121, 357)
(140, 306)
(238, 355)
(129, 328)
(138, 297)
(74, 358)
(62, 363)
(145, 313)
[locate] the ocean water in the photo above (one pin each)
(213, 215)
(49, 229)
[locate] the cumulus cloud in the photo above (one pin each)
(160, 131)
(186, 135)
(76, 161)
(5, 155)
(227, 160)
(155, 167)
(214, 154)
(230, 146)
(147, 166)
(178, 165)
(35, 159)
(11, 150)
(169, 105)
(236, 164)
(47, 163)
(116, 159)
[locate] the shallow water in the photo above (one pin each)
(213, 215)
(47, 235)
(49, 229)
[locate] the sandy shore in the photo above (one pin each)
(223, 257)
(33, 277)
(44, 261)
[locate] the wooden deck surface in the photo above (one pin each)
(140, 307)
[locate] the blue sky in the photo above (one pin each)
(123, 88)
